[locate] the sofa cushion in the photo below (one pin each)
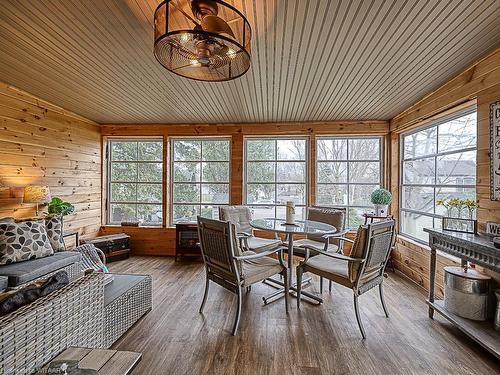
(23, 241)
(4, 283)
(24, 272)
(54, 227)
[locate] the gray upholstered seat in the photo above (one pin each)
(241, 216)
(4, 283)
(23, 272)
(258, 269)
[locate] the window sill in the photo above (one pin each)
(133, 227)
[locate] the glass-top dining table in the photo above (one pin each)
(301, 227)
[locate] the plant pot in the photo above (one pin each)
(381, 210)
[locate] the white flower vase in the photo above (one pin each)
(381, 210)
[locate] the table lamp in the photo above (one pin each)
(36, 194)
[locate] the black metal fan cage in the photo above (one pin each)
(174, 47)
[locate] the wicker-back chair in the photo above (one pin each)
(362, 270)
(228, 266)
(241, 216)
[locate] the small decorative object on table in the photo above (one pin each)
(381, 199)
(290, 213)
(459, 215)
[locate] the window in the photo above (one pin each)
(438, 162)
(275, 172)
(200, 177)
(348, 170)
(135, 189)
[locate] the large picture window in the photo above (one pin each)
(200, 175)
(275, 172)
(438, 162)
(348, 170)
(135, 174)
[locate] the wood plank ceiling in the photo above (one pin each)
(312, 60)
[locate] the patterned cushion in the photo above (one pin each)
(23, 241)
(54, 227)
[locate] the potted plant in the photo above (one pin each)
(381, 199)
(59, 207)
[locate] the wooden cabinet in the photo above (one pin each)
(186, 240)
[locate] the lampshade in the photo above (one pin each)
(206, 40)
(36, 194)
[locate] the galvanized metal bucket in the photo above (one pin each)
(466, 292)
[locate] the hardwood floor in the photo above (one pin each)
(175, 339)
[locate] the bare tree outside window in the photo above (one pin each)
(438, 162)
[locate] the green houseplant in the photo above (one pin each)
(60, 207)
(381, 199)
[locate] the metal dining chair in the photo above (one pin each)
(227, 265)
(362, 270)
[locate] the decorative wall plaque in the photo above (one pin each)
(495, 150)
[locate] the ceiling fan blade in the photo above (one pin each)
(216, 25)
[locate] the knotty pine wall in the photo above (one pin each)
(161, 241)
(42, 144)
(480, 85)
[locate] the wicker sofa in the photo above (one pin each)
(34, 334)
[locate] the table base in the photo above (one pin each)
(293, 290)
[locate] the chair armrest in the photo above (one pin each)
(101, 255)
(337, 234)
(332, 255)
(243, 234)
(259, 255)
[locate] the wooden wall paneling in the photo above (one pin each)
(237, 156)
(43, 144)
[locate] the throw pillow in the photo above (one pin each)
(54, 227)
(23, 241)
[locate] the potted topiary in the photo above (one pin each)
(381, 199)
(59, 207)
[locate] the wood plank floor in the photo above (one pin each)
(175, 339)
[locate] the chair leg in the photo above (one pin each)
(287, 288)
(249, 289)
(381, 291)
(330, 286)
(321, 284)
(205, 295)
(238, 313)
(358, 317)
(299, 285)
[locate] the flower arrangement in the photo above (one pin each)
(381, 196)
(456, 207)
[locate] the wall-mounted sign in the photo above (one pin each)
(493, 228)
(495, 150)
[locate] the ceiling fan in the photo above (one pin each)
(207, 40)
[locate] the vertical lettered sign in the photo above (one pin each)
(495, 150)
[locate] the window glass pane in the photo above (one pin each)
(419, 172)
(457, 169)
(151, 193)
(332, 149)
(331, 195)
(291, 192)
(359, 195)
(364, 149)
(151, 151)
(421, 143)
(125, 172)
(150, 213)
(215, 172)
(291, 172)
(122, 212)
(260, 171)
(211, 212)
(185, 212)
(414, 224)
(216, 150)
(214, 193)
(123, 151)
(332, 172)
(186, 172)
(260, 149)
(123, 192)
(300, 212)
(263, 212)
(418, 198)
(187, 150)
(186, 193)
(260, 194)
(458, 134)
(150, 172)
(354, 216)
(364, 172)
(291, 149)
(445, 193)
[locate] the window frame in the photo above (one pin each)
(172, 161)
(347, 160)
(432, 124)
(275, 160)
(109, 181)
